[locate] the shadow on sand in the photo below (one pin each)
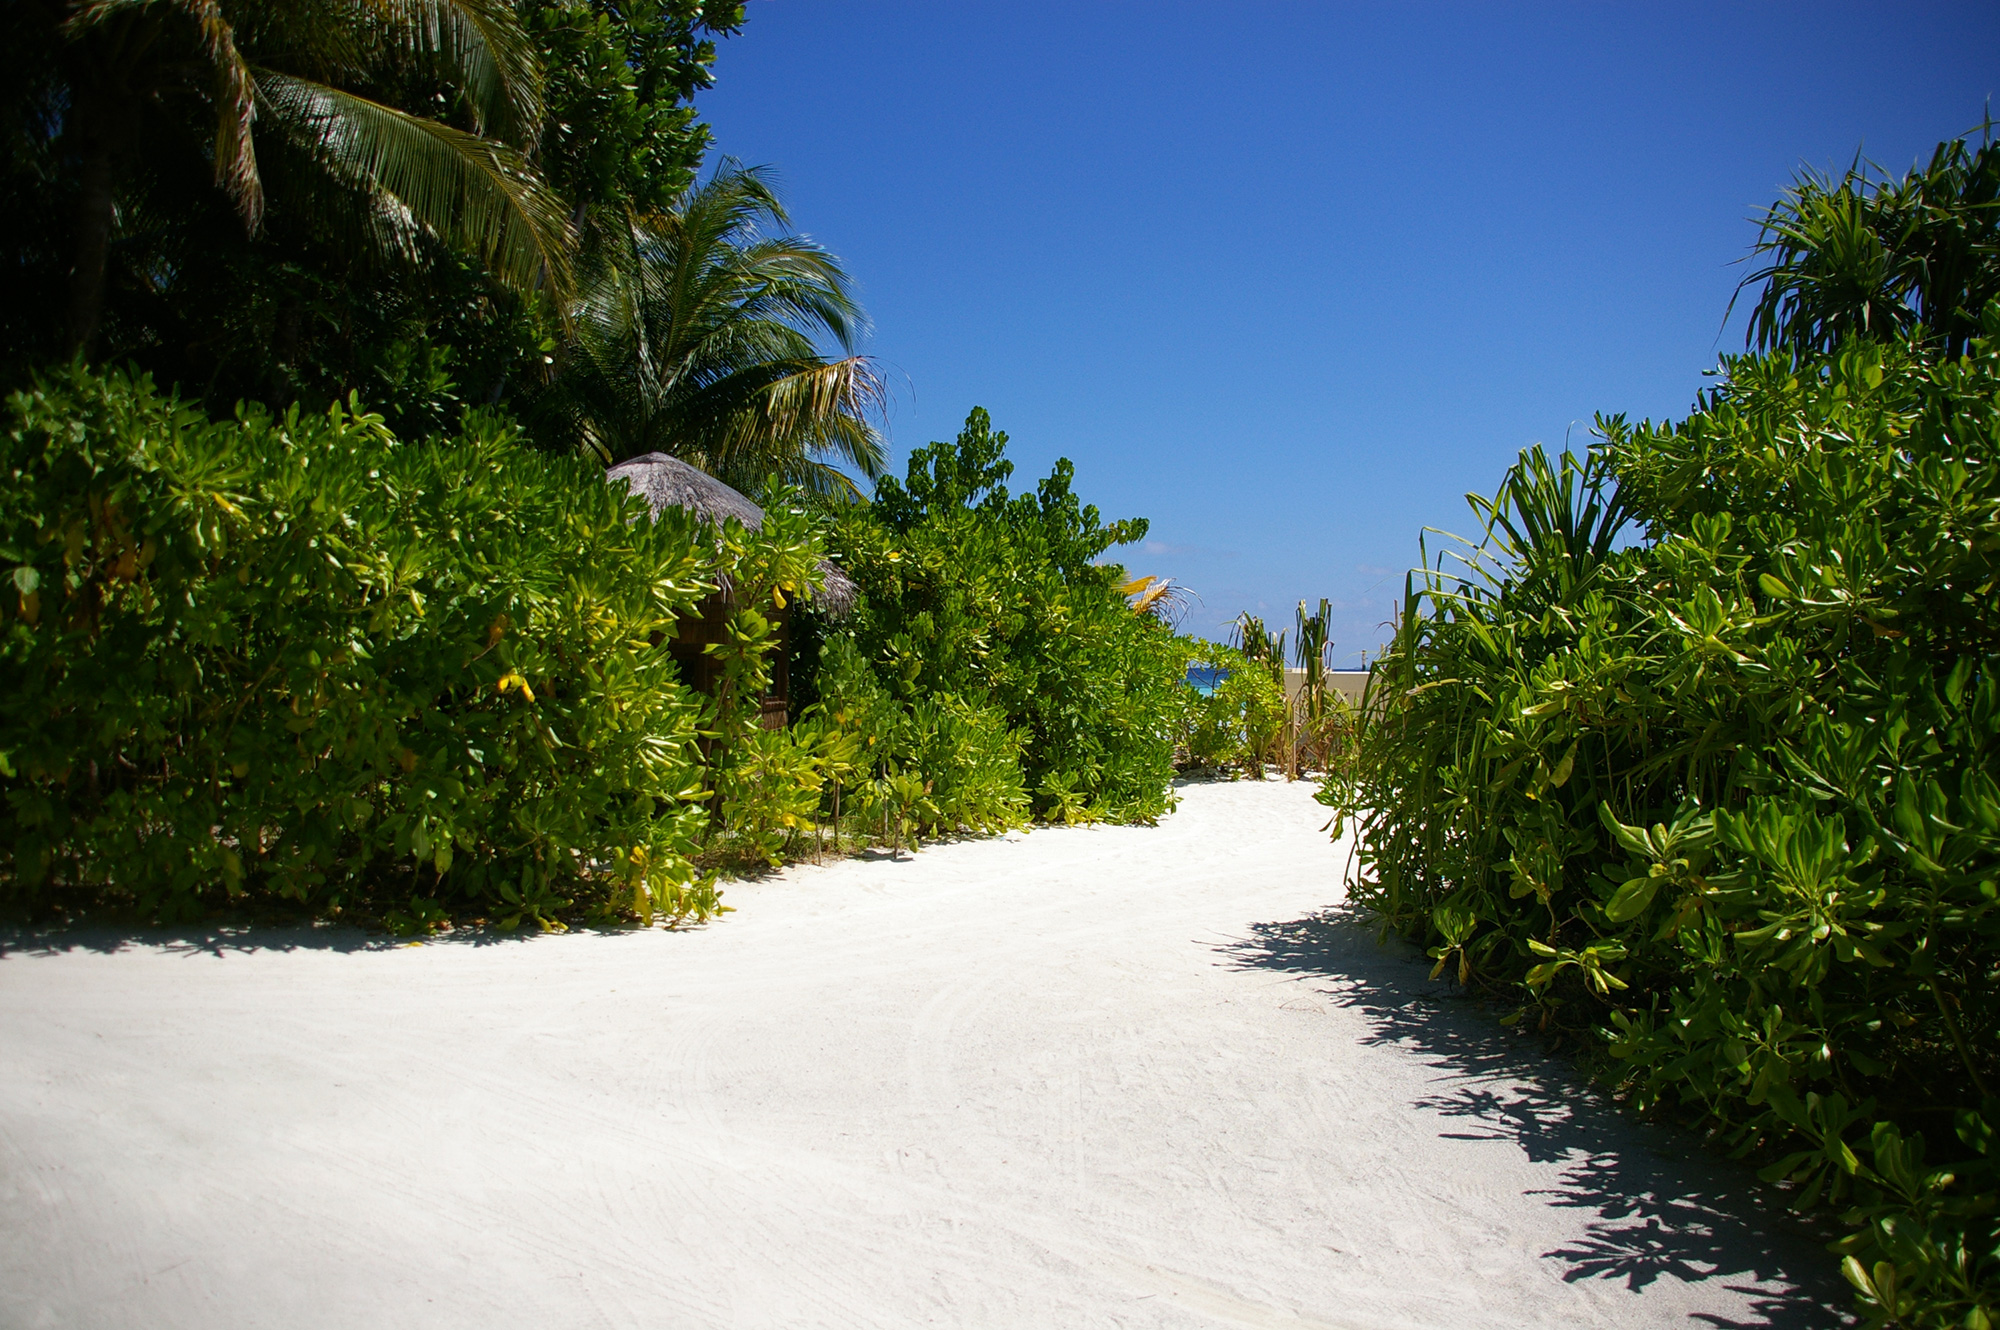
(229, 939)
(1657, 1206)
(222, 939)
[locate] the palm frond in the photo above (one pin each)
(818, 478)
(483, 50)
(768, 409)
(711, 261)
(235, 111)
(1158, 597)
(234, 91)
(472, 192)
(700, 334)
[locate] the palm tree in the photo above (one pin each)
(698, 333)
(317, 80)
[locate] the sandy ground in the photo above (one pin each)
(1134, 1077)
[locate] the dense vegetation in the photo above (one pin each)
(1239, 723)
(1252, 719)
(344, 618)
(287, 201)
(1722, 803)
(289, 659)
(996, 603)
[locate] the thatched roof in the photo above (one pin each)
(662, 481)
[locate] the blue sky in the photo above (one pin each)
(1290, 279)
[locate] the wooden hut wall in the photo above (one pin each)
(700, 670)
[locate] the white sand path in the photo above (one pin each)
(1092, 1077)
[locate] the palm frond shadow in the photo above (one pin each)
(1657, 1207)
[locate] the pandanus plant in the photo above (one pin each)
(1872, 256)
(1321, 721)
(1265, 650)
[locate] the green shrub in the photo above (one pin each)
(1727, 802)
(289, 659)
(766, 782)
(770, 791)
(971, 764)
(992, 610)
(1241, 724)
(964, 760)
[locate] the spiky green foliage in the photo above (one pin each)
(1876, 256)
(1322, 724)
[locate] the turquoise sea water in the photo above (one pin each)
(1204, 678)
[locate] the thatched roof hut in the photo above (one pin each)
(662, 480)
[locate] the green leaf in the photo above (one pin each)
(1560, 776)
(1788, 1168)
(26, 580)
(1454, 922)
(1632, 838)
(1631, 900)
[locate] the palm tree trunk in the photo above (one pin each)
(104, 114)
(104, 110)
(95, 212)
